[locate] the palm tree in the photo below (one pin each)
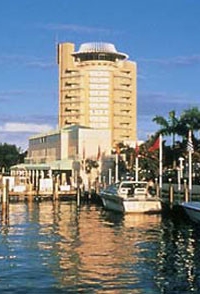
(168, 126)
(189, 120)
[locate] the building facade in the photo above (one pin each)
(68, 143)
(97, 89)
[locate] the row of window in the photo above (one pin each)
(99, 73)
(99, 86)
(99, 99)
(99, 80)
(99, 119)
(98, 93)
(99, 111)
(98, 106)
(99, 125)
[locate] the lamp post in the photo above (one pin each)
(179, 178)
(180, 172)
(181, 159)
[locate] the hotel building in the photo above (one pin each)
(97, 89)
(97, 110)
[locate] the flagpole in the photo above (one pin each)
(136, 161)
(116, 167)
(160, 161)
(190, 174)
(190, 151)
(136, 168)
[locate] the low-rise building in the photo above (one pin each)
(62, 153)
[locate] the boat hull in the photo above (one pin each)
(111, 202)
(192, 209)
(116, 203)
(130, 197)
(142, 206)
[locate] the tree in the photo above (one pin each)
(10, 155)
(189, 120)
(168, 126)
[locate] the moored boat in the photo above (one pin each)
(192, 209)
(130, 197)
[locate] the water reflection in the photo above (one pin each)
(179, 258)
(55, 248)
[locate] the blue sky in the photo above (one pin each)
(163, 37)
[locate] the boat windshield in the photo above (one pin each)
(112, 188)
(133, 185)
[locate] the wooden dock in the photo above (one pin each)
(39, 195)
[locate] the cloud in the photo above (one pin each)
(162, 98)
(174, 61)
(40, 64)
(11, 127)
(145, 130)
(75, 28)
(6, 95)
(27, 61)
(18, 133)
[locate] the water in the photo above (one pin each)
(53, 248)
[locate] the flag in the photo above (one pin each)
(190, 147)
(118, 149)
(137, 149)
(155, 145)
(83, 152)
(98, 153)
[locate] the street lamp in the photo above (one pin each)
(181, 159)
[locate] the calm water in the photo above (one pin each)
(48, 248)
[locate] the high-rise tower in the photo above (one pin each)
(97, 89)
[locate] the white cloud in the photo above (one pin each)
(75, 28)
(177, 60)
(25, 127)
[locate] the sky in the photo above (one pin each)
(162, 37)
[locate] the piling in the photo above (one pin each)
(97, 187)
(78, 196)
(30, 192)
(5, 201)
(157, 188)
(55, 192)
(171, 193)
(186, 192)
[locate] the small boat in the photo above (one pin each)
(192, 209)
(130, 197)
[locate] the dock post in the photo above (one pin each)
(186, 194)
(97, 186)
(5, 201)
(30, 192)
(55, 192)
(157, 188)
(171, 193)
(78, 196)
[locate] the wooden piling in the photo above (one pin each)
(171, 194)
(5, 201)
(78, 196)
(55, 191)
(157, 188)
(186, 192)
(30, 192)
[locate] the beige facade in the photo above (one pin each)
(68, 143)
(97, 89)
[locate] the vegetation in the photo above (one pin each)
(180, 126)
(177, 128)
(173, 126)
(10, 155)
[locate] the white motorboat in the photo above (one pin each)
(130, 197)
(192, 209)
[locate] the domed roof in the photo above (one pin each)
(97, 47)
(100, 48)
